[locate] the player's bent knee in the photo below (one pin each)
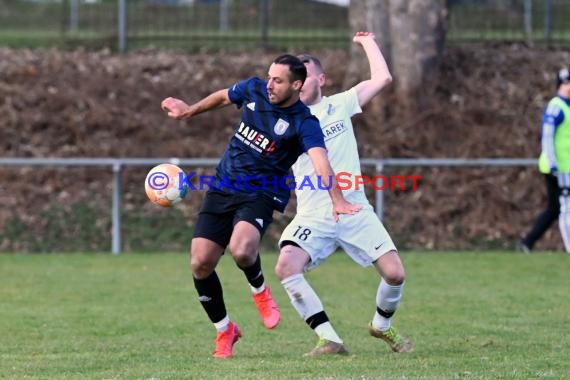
(396, 277)
(391, 268)
(282, 270)
(201, 269)
(245, 252)
(244, 248)
(290, 261)
(394, 274)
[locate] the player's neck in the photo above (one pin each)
(565, 93)
(316, 101)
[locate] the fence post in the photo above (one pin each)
(379, 193)
(224, 15)
(122, 26)
(264, 24)
(528, 21)
(116, 208)
(547, 21)
(74, 16)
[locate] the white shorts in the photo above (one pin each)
(362, 236)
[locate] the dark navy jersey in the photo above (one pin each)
(266, 143)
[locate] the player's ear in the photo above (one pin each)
(297, 85)
(322, 79)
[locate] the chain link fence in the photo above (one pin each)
(251, 24)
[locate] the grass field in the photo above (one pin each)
(499, 315)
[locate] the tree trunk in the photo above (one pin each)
(371, 16)
(411, 34)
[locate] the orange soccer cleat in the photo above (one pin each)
(267, 307)
(225, 341)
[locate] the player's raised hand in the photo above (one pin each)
(361, 36)
(175, 108)
(344, 207)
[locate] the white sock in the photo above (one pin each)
(326, 331)
(257, 290)
(223, 325)
(307, 304)
(387, 299)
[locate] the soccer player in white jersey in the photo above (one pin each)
(313, 234)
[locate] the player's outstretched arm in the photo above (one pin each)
(178, 109)
(325, 172)
(380, 75)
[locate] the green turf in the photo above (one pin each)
(135, 316)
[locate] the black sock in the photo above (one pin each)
(254, 274)
(211, 296)
(317, 319)
(384, 313)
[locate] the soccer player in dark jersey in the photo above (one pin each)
(274, 130)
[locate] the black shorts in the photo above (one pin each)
(221, 211)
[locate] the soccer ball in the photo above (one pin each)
(163, 187)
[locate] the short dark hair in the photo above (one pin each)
(307, 58)
(296, 67)
(563, 76)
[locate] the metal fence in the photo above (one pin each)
(248, 24)
(117, 165)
